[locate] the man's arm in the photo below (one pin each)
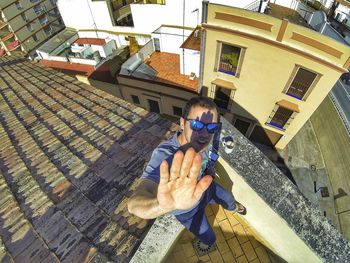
(178, 187)
(144, 203)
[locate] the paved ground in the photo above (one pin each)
(318, 160)
(236, 242)
(335, 147)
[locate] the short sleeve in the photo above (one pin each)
(152, 171)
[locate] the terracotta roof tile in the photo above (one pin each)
(168, 67)
(69, 158)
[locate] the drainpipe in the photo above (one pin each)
(183, 36)
(202, 50)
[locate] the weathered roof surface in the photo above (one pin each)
(69, 157)
(168, 67)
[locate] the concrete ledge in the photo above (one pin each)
(276, 190)
(159, 240)
(284, 198)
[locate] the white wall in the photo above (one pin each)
(344, 12)
(286, 3)
(147, 17)
(76, 14)
(171, 39)
(189, 62)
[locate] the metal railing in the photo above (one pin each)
(340, 112)
(254, 6)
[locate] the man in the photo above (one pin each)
(187, 187)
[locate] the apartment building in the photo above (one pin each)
(163, 75)
(267, 75)
(26, 24)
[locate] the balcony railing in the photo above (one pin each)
(122, 12)
(8, 36)
(14, 45)
(3, 24)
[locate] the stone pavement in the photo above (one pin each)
(318, 160)
(304, 159)
(303, 163)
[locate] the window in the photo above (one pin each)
(18, 5)
(43, 20)
(242, 124)
(301, 83)
(30, 27)
(177, 111)
(282, 114)
(229, 59)
(48, 30)
(222, 98)
(153, 106)
(35, 38)
(38, 9)
(281, 117)
(135, 99)
(23, 15)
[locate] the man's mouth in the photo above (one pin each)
(202, 141)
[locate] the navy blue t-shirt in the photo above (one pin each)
(166, 151)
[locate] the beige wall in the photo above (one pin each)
(269, 227)
(267, 67)
(167, 97)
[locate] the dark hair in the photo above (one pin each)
(204, 102)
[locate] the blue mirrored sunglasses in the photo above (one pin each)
(197, 125)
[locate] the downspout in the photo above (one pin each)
(202, 50)
(183, 36)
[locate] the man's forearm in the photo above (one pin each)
(146, 206)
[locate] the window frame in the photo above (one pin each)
(229, 104)
(292, 77)
(18, 5)
(177, 115)
(30, 27)
(240, 59)
(272, 115)
(133, 97)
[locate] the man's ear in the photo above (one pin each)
(182, 123)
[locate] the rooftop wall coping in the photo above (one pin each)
(303, 217)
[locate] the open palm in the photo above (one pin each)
(178, 188)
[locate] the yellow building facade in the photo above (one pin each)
(267, 75)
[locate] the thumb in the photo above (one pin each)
(201, 186)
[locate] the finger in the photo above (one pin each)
(201, 186)
(164, 173)
(187, 162)
(196, 166)
(176, 165)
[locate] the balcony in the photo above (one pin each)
(7, 36)
(4, 30)
(122, 12)
(2, 24)
(13, 45)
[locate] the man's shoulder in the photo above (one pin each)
(167, 147)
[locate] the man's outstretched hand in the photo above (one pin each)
(178, 188)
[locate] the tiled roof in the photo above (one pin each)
(69, 157)
(92, 41)
(194, 40)
(168, 67)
